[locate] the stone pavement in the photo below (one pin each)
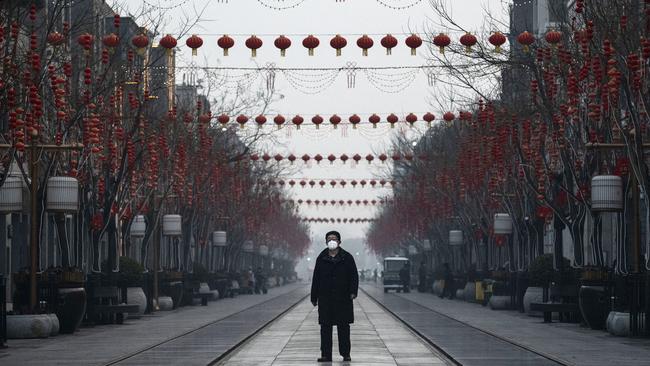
(377, 339)
(105, 344)
(566, 342)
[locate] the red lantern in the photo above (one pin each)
(365, 43)
(260, 120)
(383, 157)
(140, 42)
(279, 120)
(205, 118)
(411, 119)
(449, 117)
(111, 41)
(369, 158)
(168, 42)
(526, 39)
(225, 43)
(317, 120)
(194, 42)
(497, 39)
(241, 119)
(338, 43)
(442, 40)
(55, 39)
(254, 43)
(278, 158)
(310, 42)
(331, 158)
(468, 40)
(413, 42)
(223, 119)
(553, 37)
(429, 117)
(356, 158)
(335, 120)
(318, 158)
(392, 119)
(354, 120)
(374, 119)
(291, 158)
(389, 42)
(305, 158)
(282, 43)
(297, 121)
(344, 158)
(86, 41)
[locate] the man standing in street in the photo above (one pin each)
(334, 285)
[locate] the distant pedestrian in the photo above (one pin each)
(374, 275)
(448, 289)
(334, 285)
(260, 281)
(422, 277)
(405, 277)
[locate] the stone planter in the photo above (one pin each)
(29, 326)
(165, 303)
(533, 294)
(204, 288)
(618, 324)
(54, 320)
(460, 294)
(594, 306)
(438, 286)
(498, 302)
(136, 296)
(71, 309)
(470, 292)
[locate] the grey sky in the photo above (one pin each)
(241, 18)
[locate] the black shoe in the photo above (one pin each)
(324, 359)
(347, 359)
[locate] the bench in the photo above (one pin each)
(117, 310)
(548, 308)
(104, 305)
(205, 296)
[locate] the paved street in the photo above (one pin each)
(377, 339)
(460, 329)
(222, 324)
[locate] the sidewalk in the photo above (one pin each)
(565, 341)
(103, 343)
(377, 339)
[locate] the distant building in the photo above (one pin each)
(534, 16)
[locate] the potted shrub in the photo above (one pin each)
(131, 277)
(540, 274)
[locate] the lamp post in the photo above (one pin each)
(34, 221)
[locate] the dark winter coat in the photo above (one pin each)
(334, 280)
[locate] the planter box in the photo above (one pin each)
(533, 294)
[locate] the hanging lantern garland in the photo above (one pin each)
(331, 158)
(335, 120)
(366, 42)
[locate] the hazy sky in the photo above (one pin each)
(351, 18)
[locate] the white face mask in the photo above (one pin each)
(332, 244)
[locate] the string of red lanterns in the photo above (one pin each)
(365, 42)
(333, 220)
(332, 158)
(322, 183)
(374, 119)
(341, 203)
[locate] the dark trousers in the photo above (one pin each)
(343, 331)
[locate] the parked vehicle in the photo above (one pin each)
(392, 266)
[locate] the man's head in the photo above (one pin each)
(333, 235)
